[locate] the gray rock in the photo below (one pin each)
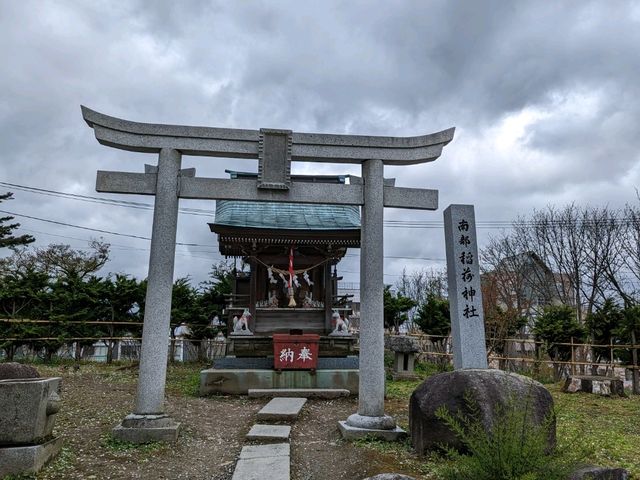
(27, 410)
(401, 343)
(390, 476)
(592, 472)
(17, 370)
(605, 386)
(490, 390)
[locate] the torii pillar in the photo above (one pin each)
(274, 150)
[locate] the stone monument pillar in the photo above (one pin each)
(465, 295)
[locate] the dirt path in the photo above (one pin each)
(97, 398)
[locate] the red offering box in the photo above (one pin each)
(295, 352)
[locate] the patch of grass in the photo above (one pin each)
(398, 454)
(514, 449)
(607, 425)
(184, 379)
(62, 463)
(400, 389)
(119, 446)
(427, 369)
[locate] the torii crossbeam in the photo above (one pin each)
(274, 150)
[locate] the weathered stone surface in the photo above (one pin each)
(261, 468)
(28, 458)
(605, 386)
(281, 408)
(401, 343)
(350, 432)
(465, 294)
(269, 433)
(27, 410)
(231, 142)
(390, 476)
(147, 428)
(490, 390)
(299, 392)
(591, 472)
(12, 370)
(239, 382)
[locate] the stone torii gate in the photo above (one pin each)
(274, 150)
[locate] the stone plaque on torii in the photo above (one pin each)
(274, 150)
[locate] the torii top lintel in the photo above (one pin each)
(238, 143)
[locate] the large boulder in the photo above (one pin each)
(17, 370)
(491, 391)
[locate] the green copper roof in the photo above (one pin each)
(290, 216)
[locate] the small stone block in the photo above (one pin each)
(269, 432)
(273, 468)
(592, 472)
(324, 393)
(167, 434)
(282, 408)
(263, 451)
(29, 459)
(352, 433)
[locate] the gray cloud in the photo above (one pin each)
(544, 94)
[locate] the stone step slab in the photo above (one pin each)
(258, 462)
(282, 409)
(269, 433)
(263, 451)
(325, 393)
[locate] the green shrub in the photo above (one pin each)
(513, 450)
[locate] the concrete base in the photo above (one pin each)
(352, 433)
(239, 382)
(324, 393)
(147, 428)
(28, 459)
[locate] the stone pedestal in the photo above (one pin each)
(28, 458)
(147, 428)
(383, 427)
(27, 414)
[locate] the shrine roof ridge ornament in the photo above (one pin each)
(239, 143)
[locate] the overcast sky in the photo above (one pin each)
(545, 98)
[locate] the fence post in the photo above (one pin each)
(573, 359)
(611, 356)
(634, 356)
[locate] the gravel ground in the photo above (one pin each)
(95, 398)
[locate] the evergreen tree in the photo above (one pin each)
(555, 328)
(7, 239)
(433, 316)
(395, 308)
